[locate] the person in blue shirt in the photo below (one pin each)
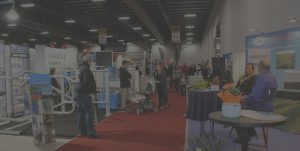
(262, 93)
(261, 96)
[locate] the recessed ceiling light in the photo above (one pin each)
(4, 35)
(137, 28)
(189, 26)
(124, 18)
(67, 38)
(44, 32)
(189, 39)
(70, 21)
(120, 40)
(189, 34)
(152, 39)
(93, 30)
(98, 0)
(190, 15)
(146, 35)
(12, 25)
(293, 20)
(25, 44)
(27, 5)
(109, 36)
(83, 41)
(32, 39)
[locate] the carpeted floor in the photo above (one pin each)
(160, 131)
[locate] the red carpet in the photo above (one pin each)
(160, 131)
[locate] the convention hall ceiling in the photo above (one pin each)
(76, 21)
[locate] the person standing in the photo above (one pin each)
(55, 84)
(85, 90)
(125, 78)
(161, 86)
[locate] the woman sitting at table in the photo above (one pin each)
(247, 80)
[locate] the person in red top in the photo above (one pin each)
(184, 68)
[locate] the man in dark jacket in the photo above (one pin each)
(85, 90)
(125, 78)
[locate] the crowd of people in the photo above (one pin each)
(257, 90)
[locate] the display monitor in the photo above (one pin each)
(104, 58)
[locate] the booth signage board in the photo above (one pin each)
(61, 59)
(282, 48)
(41, 106)
(19, 63)
(2, 82)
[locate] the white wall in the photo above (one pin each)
(190, 54)
(169, 52)
(238, 16)
(134, 48)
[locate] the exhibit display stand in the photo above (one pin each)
(41, 108)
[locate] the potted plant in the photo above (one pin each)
(207, 143)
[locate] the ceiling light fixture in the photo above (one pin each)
(152, 39)
(44, 32)
(67, 38)
(190, 15)
(83, 41)
(189, 39)
(98, 0)
(4, 35)
(70, 21)
(109, 36)
(189, 26)
(93, 30)
(254, 30)
(120, 40)
(137, 28)
(293, 20)
(32, 39)
(12, 14)
(27, 5)
(189, 34)
(124, 18)
(146, 35)
(12, 25)
(189, 43)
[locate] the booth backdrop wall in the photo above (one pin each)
(167, 50)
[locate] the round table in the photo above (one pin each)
(244, 123)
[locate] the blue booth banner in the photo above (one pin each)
(41, 93)
(282, 49)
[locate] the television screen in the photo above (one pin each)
(104, 58)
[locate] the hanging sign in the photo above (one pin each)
(175, 33)
(102, 36)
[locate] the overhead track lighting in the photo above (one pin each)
(124, 18)
(93, 30)
(137, 28)
(146, 35)
(98, 0)
(4, 35)
(190, 15)
(70, 21)
(44, 32)
(32, 39)
(189, 26)
(27, 5)
(189, 34)
(12, 25)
